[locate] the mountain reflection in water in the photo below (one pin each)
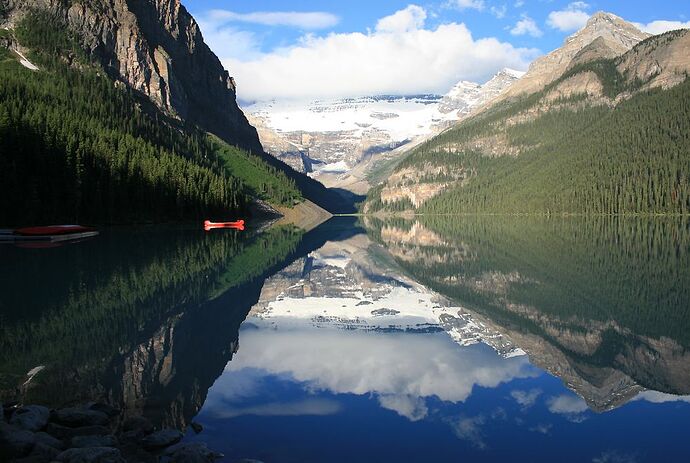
(484, 339)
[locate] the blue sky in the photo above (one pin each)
(280, 49)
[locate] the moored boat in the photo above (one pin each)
(237, 225)
(51, 233)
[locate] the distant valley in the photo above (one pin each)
(340, 141)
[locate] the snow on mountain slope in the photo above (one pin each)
(328, 138)
(341, 287)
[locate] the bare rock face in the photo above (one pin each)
(156, 48)
(662, 61)
(614, 37)
(598, 49)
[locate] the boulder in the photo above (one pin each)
(46, 439)
(137, 423)
(104, 408)
(192, 452)
(31, 417)
(65, 433)
(15, 442)
(77, 417)
(91, 455)
(94, 441)
(40, 454)
(196, 427)
(161, 439)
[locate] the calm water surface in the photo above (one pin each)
(445, 340)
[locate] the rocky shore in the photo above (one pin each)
(91, 433)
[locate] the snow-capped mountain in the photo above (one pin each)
(330, 138)
(341, 287)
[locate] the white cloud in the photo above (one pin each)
(526, 398)
(409, 19)
(526, 26)
(313, 407)
(571, 407)
(412, 408)
(542, 428)
(661, 26)
(573, 18)
(661, 397)
(466, 4)
(228, 42)
(470, 429)
(399, 368)
(613, 456)
(399, 57)
(306, 20)
(499, 11)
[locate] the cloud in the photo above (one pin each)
(466, 4)
(526, 26)
(401, 56)
(307, 21)
(542, 428)
(661, 397)
(613, 456)
(229, 42)
(409, 19)
(313, 407)
(412, 408)
(397, 367)
(526, 398)
(573, 18)
(571, 407)
(661, 26)
(470, 429)
(499, 11)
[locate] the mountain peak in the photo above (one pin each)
(511, 73)
(620, 34)
(604, 17)
(605, 36)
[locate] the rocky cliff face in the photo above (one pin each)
(156, 48)
(613, 37)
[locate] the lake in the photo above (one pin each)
(438, 339)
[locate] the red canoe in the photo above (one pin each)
(237, 225)
(52, 230)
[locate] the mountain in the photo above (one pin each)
(156, 48)
(598, 126)
(551, 287)
(342, 286)
(613, 35)
(340, 141)
(119, 112)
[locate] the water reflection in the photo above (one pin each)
(429, 340)
(603, 304)
(145, 319)
(517, 338)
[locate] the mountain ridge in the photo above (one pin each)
(619, 35)
(553, 150)
(156, 48)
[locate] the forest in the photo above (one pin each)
(623, 274)
(105, 299)
(77, 147)
(577, 157)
